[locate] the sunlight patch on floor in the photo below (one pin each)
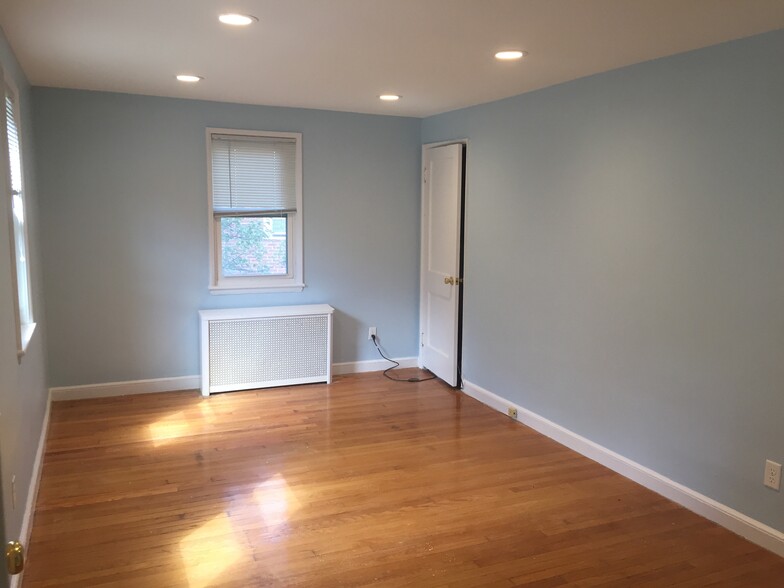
(206, 411)
(181, 424)
(168, 428)
(276, 502)
(209, 550)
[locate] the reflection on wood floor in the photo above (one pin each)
(362, 482)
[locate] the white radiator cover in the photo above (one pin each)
(246, 348)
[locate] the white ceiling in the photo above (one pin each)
(341, 54)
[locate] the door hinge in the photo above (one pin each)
(424, 175)
(422, 339)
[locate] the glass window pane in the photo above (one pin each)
(22, 271)
(250, 247)
(279, 226)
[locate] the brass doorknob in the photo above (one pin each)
(452, 281)
(14, 557)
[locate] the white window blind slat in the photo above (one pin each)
(253, 173)
(14, 155)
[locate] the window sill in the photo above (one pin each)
(223, 290)
(27, 334)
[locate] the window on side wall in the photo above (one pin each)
(14, 189)
(255, 199)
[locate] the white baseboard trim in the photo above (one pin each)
(370, 365)
(32, 491)
(126, 388)
(194, 382)
(729, 518)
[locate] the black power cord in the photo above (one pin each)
(397, 364)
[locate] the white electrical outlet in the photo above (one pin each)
(773, 474)
(371, 332)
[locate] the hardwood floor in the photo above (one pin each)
(364, 482)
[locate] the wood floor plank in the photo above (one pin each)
(361, 482)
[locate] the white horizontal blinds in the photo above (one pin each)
(14, 155)
(253, 175)
(18, 210)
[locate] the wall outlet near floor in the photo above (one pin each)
(371, 333)
(773, 475)
(512, 412)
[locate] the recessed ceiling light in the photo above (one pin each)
(389, 97)
(237, 20)
(508, 55)
(189, 78)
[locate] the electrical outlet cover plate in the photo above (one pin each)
(772, 475)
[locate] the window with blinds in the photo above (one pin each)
(15, 187)
(256, 210)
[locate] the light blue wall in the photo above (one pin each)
(23, 392)
(124, 211)
(625, 262)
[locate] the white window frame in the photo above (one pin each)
(24, 329)
(293, 280)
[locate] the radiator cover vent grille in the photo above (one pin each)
(263, 347)
(260, 350)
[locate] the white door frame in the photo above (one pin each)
(422, 261)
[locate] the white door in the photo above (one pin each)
(442, 189)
